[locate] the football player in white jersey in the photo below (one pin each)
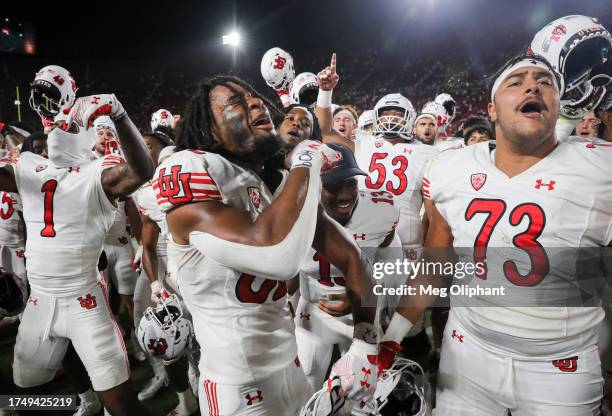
(236, 239)
(425, 125)
(532, 193)
(321, 316)
(12, 235)
(69, 205)
(149, 290)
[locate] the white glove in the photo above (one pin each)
(356, 371)
(158, 292)
(137, 259)
(311, 153)
(87, 109)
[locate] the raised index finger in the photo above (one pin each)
(332, 65)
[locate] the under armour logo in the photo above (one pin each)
(167, 274)
(71, 169)
(456, 335)
(157, 346)
(366, 375)
(305, 316)
(33, 301)
(279, 62)
(95, 100)
(123, 240)
(567, 365)
(550, 185)
(20, 253)
(250, 399)
(359, 237)
(88, 302)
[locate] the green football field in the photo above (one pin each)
(161, 404)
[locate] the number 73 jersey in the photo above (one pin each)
(526, 230)
(397, 169)
(67, 216)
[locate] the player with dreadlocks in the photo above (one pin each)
(238, 230)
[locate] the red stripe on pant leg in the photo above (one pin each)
(215, 398)
(116, 326)
(208, 397)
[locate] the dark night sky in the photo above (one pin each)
(188, 29)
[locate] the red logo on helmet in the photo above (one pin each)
(559, 30)
(279, 62)
(157, 346)
(478, 180)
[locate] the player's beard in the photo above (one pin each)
(524, 142)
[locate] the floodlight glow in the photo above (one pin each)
(233, 39)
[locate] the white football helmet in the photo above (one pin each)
(327, 403)
(52, 90)
(365, 119)
(161, 118)
(391, 125)
(14, 293)
(449, 104)
(438, 112)
(579, 48)
(407, 381)
(163, 331)
(277, 69)
(304, 89)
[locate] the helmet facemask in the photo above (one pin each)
(46, 99)
(392, 125)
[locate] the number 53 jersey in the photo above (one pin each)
(67, 216)
(397, 169)
(526, 231)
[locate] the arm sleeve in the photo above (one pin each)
(279, 262)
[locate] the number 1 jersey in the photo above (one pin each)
(67, 216)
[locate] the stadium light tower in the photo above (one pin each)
(232, 39)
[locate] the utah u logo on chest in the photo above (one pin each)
(174, 184)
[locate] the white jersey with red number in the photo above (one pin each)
(12, 232)
(564, 202)
(373, 219)
(67, 216)
(241, 321)
(397, 169)
(146, 201)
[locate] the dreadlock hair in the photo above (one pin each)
(316, 129)
(195, 129)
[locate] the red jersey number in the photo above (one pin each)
(48, 189)
(325, 278)
(400, 163)
(527, 240)
(6, 199)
